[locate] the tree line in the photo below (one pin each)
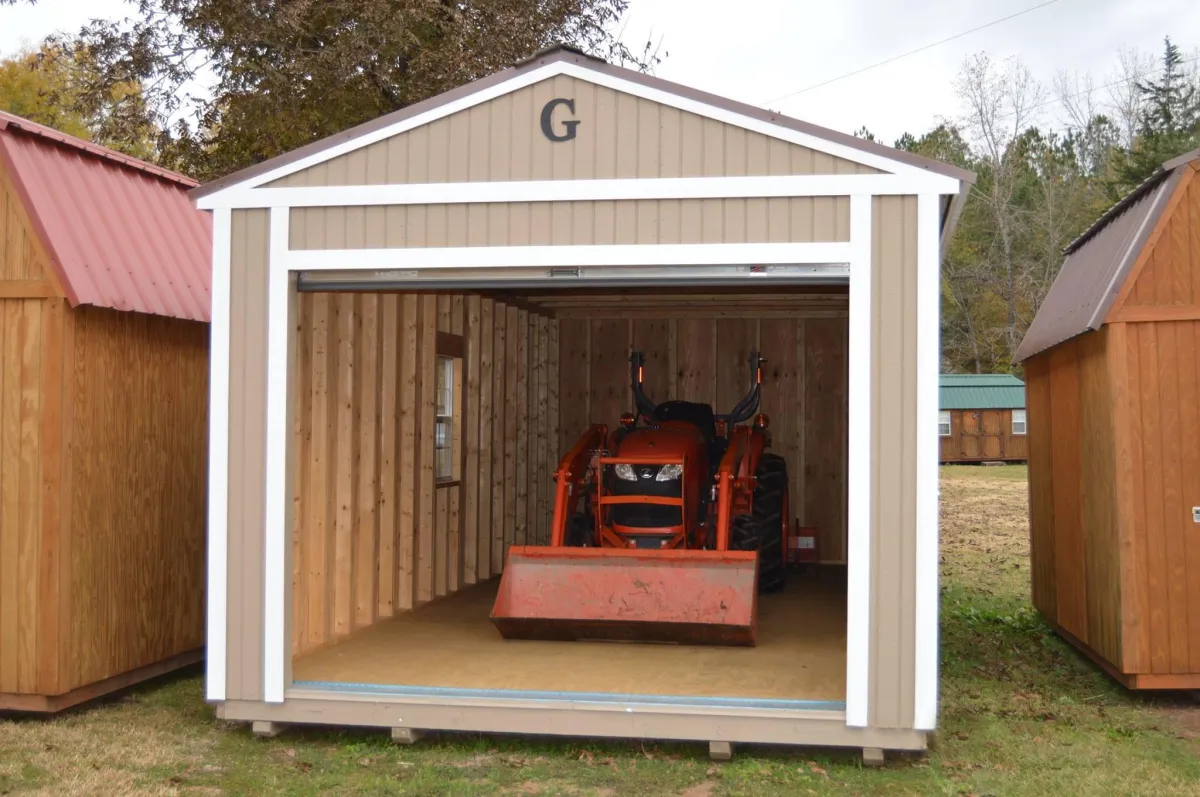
(207, 87)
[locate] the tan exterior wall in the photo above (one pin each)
(650, 221)
(892, 638)
(619, 136)
(894, 458)
(247, 452)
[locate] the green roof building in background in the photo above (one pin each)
(980, 392)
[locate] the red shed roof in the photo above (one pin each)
(119, 232)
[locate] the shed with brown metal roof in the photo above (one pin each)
(104, 303)
(1112, 369)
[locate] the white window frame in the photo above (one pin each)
(1024, 423)
(945, 422)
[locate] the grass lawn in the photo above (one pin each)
(1021, 714)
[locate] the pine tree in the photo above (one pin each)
(1169, 124)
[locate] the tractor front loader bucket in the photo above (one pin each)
(691, 597)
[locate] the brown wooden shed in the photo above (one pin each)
(492, 255)
(104, 283)
(981, 418)
(1112, 369)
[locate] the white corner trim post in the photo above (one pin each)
(928, 365)
(216, 634)
(281, 290)
(859, 466)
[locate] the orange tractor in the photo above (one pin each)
(664, 530)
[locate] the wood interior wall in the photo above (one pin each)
(375, 534)
(696, 349)
(135, 492)
(1074, 533)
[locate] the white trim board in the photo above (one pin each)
(928, 359)
(859, 488)
(218, 462)
(603, 255)
(804, 185)
(945, 184)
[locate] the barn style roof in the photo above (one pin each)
(599, 65)
(119, 232)
(980, 392)
(1099, 261)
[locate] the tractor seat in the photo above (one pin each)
(699, 415)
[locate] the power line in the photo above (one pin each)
(910, 52)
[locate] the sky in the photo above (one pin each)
(771, 48)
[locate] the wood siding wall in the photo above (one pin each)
(692, 356)
(648, 221)
(1167, 274)
(1074, 538)
(374, 533)
(103, 419)
(619, 136)
(986, 437)
(138, 422)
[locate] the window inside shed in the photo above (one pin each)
(443, 450)
(1018, 422)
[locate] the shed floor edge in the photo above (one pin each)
(801, 728)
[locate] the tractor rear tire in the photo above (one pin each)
(763, 530)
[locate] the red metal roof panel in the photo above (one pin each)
(120, 233)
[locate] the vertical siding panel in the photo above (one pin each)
(534, 431)
(366, 521)
(10, 424)
(691, 145)
(697, 357)
(521, 407)
(515, 445)
(713, 163)
(1068, 511)
(441, 536)
(1189, 386)
(345, 466)
(562, 154)
(609, 373)
(542, 151)
(389, 445)
(652, 338)
(573, 382)
(521, 127)
(1173, 528)
(825, 432)
(1158, 591)
(606, 133)
(427, 408)
(546, 431)
(627, 135)
(649, 131)
(50, 490)
(553, 429)
(670, 151)
(501, 413)
(318, 493)
(735, 338)
(780, 399)
(583, 149)
(1140, 537)
(302, 442)
(487, 380)
(470, 476)
(492, 128)
(1041, 485)
(408, 490)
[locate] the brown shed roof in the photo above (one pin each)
(564, 53)
(1099, 261)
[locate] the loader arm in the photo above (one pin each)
(571, 472)
(735, 479)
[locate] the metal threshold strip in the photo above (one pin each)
(568, 278)
(680, 701)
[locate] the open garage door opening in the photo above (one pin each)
(429, 428)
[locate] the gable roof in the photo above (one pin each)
(585, 66)
(1099, 262)
(980, 392)
(119, 232)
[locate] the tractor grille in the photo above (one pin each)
(646, 516)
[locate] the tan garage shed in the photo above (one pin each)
(416, 318)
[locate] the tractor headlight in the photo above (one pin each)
(669, 473)
(625, 472)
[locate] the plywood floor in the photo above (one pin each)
(801, 653)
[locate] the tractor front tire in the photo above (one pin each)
(763, 531)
